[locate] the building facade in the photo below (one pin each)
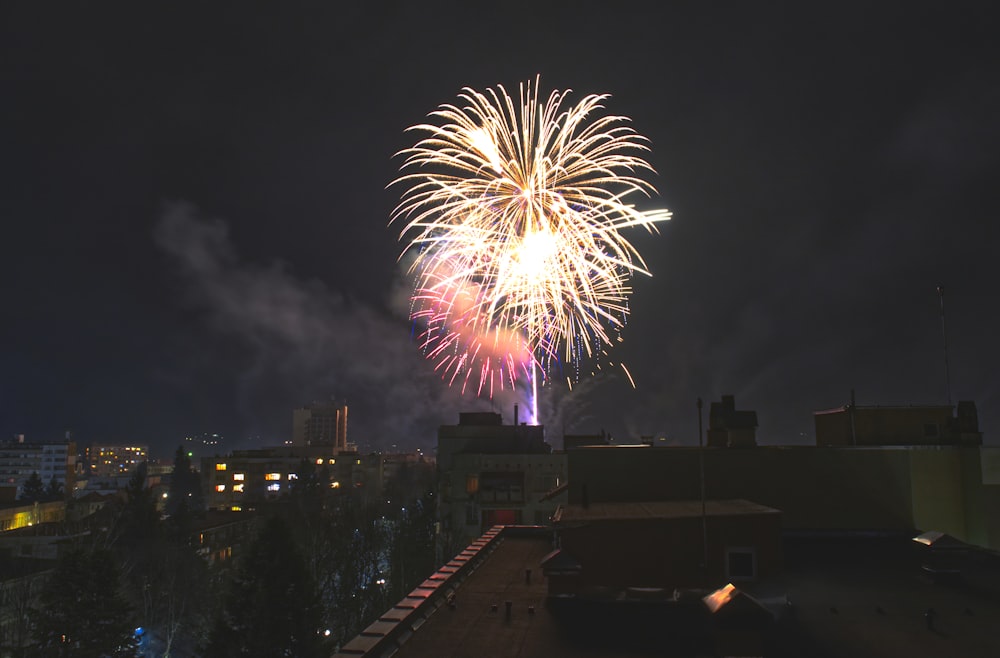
(320, 424)
(52, 460)
(494, 474)
(108, 461)
(246, 478)
(913, 425)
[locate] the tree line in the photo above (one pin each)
(319, 566)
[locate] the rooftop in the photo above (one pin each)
(661, 509)
(839, 596)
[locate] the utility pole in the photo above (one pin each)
(944, 336)
(704, 518)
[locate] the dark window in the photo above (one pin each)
(741, 564)
(930, 429)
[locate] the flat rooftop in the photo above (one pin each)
(839, 596)
(662, 509)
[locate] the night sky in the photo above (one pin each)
(194, 210)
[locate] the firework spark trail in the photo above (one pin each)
(513, 214)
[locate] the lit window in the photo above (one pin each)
(220, 488)
(236, 508)
(319, 461)
(239, 477)
(471, 484)
(358, 462)
(274, 487)
(238, 488)
(271, 477)
(333, 461)
(293, 476)
(220, 467)
(334, 485)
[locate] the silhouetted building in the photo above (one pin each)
(494, 474)
(916, 425)
(652, 548)
(246, 478)
(572, 441)
(320, 424)
(729, 427)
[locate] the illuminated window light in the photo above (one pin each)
(271, 477)
(239, 477)
(236, 508)
(274, 487)
(238, 488)
(358, 462)
(293, 476)
(319, 461)
(333, 461)
(220, 488)
(220, 467)
(334, 485)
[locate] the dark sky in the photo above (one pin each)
(195, 216)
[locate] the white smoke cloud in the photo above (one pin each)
(307, 342)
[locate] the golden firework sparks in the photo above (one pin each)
(513, 217)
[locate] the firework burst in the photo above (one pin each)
(513, 215)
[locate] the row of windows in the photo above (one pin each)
(274, 486)
(223, 466)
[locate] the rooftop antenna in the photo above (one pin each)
(944, 336)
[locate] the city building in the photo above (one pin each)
(320, 424)
(874, 547)
(729, 427)
(608, 549)
(851, 595)
(50, 460)
(21, 583)
(109, 461)
(881, 486)
(915, 425)
(494, 474)
(14, 516)
(246, 478)
(220, 535)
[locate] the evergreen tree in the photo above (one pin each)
(185, 486)
(138, 523)
(82, 612)
(54, 490)
(272, 608)
(33, 489)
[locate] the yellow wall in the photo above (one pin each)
(937, 491)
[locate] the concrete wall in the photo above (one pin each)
(816, 488)
(668, 553)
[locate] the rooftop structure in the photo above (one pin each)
(853, 425)
(836, 596)
(729, 427)
(494, 474)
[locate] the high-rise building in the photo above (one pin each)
(320, 424)
(51, 460)
(114, 460)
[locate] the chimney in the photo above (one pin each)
(515, 416)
